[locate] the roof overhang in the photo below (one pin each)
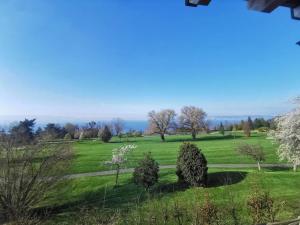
(266, 6)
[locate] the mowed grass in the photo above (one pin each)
(90, 155)
(98, 192)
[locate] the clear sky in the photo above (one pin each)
(102, 59)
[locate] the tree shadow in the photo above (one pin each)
(225, 178)
(122, 196)
(126, 195)
(122, 141)
(278, 168)
(205, 138)
(169, 188)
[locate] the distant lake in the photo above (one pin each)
(139, 125)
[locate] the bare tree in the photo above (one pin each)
(70, 129)
(192, 119)
(161, 122)
(254, 151)
(118, 126)
(26, 176)
(247, 129)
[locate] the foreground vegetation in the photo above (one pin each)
(99, 193)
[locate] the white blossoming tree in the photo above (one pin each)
(119, 158)
(287, 135)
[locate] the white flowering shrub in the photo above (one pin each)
(287, 135)
(119, 157)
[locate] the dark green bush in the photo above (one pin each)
(105, 135)
(146, 173)
(191, 166)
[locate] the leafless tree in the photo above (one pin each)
(26, 176)
(161, 122)
(254, 151)
(118, 126)
(70, 129)
(247, 129)
(192, 119)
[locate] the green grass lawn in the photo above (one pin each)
(90, 155)
(98, 192)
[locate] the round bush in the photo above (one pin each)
(105, 134)
(146, 173)
(191, 166)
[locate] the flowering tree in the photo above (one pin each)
(287, 134)
(119, 157)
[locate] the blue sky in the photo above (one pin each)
(115, 58)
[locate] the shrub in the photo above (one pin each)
(24, 183)
(105, 135)
(68, 136)
(208, 213)
(146, 173)
(254, 151)
(263, 129)
(262, 207)
(191, 165)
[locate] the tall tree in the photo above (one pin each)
(250, 122)
(105, 135)
(192, 119)
(70, 129)
(23, 132)
(161, 122)
(287, 135)
(222, 129)
(247, 129)
(53, 131)
(118, 126)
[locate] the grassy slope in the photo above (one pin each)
(90, 155)
(283, 186)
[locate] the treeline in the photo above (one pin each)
(260, 124)
(25, 132)
(193, 120)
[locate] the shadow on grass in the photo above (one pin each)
(122, 196)
(205, 138)
(225, 178)
(278, 168)
(127, 195)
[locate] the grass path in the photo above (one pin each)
(225, 166)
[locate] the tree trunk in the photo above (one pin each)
(295, 167)
(258, 166)
(117, 175)
(162, 136)
(194, 135)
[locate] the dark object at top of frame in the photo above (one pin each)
(266, 6)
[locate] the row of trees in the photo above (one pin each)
(191, 119)
(25, 132)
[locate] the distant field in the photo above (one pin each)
(91, 154)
